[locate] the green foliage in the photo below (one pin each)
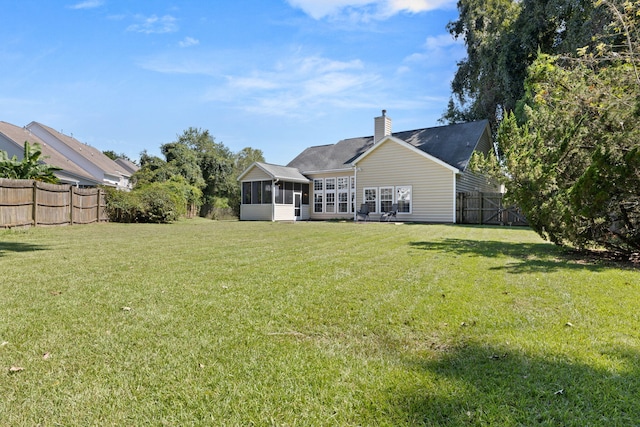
(29, 167)
(158, 202)
(115, 156)
(571, 160)
(203, 163)
(502, 39)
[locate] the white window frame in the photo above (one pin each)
(406, 190)
(367, 191)
(342, 197)
(318, 201)
(388, 197)
(330, 195)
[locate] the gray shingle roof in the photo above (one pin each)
(453, 144)
(93, 155)
(49, 156)
(282, 172)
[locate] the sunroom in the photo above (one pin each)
(273, 193)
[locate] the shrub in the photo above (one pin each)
(159, 202)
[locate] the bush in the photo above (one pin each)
(157, 202)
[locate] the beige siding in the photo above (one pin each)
(256, 174)
(331, 215)
(391, 164)
(469, 181)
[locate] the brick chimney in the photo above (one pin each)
(382, 126)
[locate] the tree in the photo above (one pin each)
(571, 159)
(503, 37)
(115, 156)
(30, 167)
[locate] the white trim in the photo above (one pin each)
(395, 197)
(318, 172)
(455, 198)
(376, 200)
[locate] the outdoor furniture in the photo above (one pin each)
(363, 212)
(386, 216)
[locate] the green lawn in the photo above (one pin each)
(338, 324)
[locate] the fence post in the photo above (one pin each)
(35, 203)
(70, 204)
(98, 203)
(481, 209)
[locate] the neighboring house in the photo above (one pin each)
(421, 171)
(12, 139)
(128, 165)
(104, 170)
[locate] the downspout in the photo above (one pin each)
(355, 189)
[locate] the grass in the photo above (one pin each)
(229, 323)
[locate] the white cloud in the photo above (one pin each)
(154, 24)
(296, 84)
(363, 10)
(189, 41)
(88, 4)
(438, 49)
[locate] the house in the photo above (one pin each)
(82, 165)
(421, 171)
(12, 139)
(100, 167)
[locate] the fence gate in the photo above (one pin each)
(487, 208)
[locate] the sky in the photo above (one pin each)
(274, 75)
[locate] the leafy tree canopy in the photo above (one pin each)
(502, 38)
(202, 162)
(570, 156)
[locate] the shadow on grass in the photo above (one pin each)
(19, 247)
(480, 385)
(525, 257)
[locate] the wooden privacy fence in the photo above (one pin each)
(33, 203)
(487, 208)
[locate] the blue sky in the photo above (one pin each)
(277, 75)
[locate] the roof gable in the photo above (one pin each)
(91, 154)
(410, 147)
(277, 172)
(451, 144)
(50, 156)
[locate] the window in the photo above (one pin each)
(330, 195)
(343, 183)
(277, 188)
(317, 202)
(403, 198)
(305, 194)
(343, 202)
(318, 185)
(352, 184)
(246, 193)
(370, 198)
(331, 202)
(343, 194)
(288, 193)
(330, 184)
(256, 192)
(386, 199)
(266, 192)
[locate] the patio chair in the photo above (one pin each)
(386, 216)
(363, 212)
